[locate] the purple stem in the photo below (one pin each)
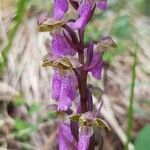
(83, 84)
(89, 101)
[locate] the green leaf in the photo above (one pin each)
(52, 115)
(19, 101)
(34, 108)
(21, 124)
(142, 141)
(23, 129)
(21, 9)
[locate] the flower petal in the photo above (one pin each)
(60, 8)
(68, 92)
(65, 138)
(56, 85)
(60, 47)
(64, 89)
(84, 138)
(97, 69)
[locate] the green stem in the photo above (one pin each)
(130, 108)
(11, 34)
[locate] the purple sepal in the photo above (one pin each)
(96, 66)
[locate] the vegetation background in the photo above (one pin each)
(25, 121)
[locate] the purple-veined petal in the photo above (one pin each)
(56, 85)
(60, 8)
(102, 4)
(65, 103)
(64, 89)
(68, 91)
(60, 47)
(84, 138)
(65, 138)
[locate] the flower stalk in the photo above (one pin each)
(72, 61)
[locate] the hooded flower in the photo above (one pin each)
(87, 122)
(64, 89)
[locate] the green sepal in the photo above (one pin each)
(102, 124)
(75, 117)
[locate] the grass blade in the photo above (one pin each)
(131, 98)
(21, 7)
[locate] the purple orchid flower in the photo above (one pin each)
(67, 141)
(64, 89)
(69, 84)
